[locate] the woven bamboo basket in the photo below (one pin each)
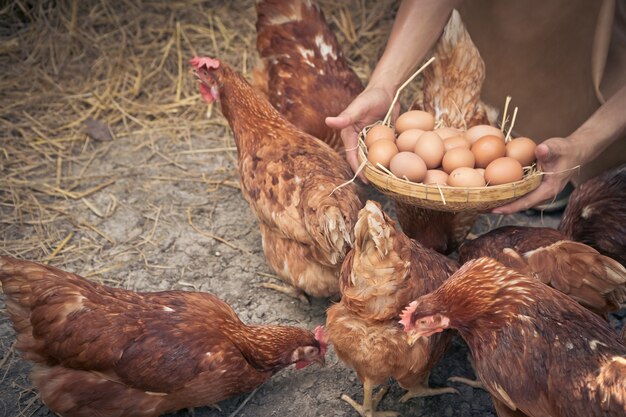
(446, 198)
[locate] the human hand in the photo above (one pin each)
(556, 157)
(368, 107)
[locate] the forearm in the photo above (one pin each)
(417, 27)
(605, 126)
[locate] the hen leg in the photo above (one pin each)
(287, 289)
(368, 408)
(474, 383)
(421, 389)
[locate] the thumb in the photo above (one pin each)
(548, 151)
(339, 122)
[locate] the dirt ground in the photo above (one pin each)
(159, 208)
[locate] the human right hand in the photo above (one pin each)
(368, 107)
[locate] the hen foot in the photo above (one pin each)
(474, 383)
(369, 411)
(426, 392)
(289, 290)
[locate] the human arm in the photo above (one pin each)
(557, 156)
(417, 27)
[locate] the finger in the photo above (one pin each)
(338, 122)
(531, 199)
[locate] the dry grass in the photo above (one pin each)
(77, 76)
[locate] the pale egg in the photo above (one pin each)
(415, 119)
(379, 132)
(407, 139)
(430, 148)
(487, 149)
(447, 132)
(435, 176)
(456, 142)
(409, 165)
(476, 132)
(456, 158)
(522, 149)
(381, 152)
(465, 177)
(503, 171)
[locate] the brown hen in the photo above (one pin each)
(596, 214)
(291, 181)
(102, 351)
(304, 73)
(577, 270)
(537, 351)
(380, 275)
(451, 91)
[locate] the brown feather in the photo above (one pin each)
(307, 76)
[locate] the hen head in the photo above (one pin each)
(204, 69)
(419, 320)
(303, 356)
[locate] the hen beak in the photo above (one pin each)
(412, 337)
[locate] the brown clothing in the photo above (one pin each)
(558, 59)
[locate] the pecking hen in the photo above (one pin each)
(383, 272)
(595, 281)
(451, 91)
(596, 214)
(291, 181)
(304, 73)
(538, 352)
(102, 351)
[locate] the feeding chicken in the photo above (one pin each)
(577, 270)
(383, 272)
(451, 91)
(596, 214)
(537, 351)
(102, 351)
(291, 181)
(304, 73)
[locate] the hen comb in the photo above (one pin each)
(198, 62)
(322, 338)
(405, 317)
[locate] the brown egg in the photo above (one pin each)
(381, 152)
(447, 132)
(379, 132)
(456, 158)
(522, 149)
(456, 142)
(481, 170)
(409, 165)
(415, 119)
(476, 132)
(465, 177)
(435, 176)
(503, 171)
(406, 140)
(430, 148)
(487, 149)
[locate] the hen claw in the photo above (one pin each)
(371, 410)
(426, 392)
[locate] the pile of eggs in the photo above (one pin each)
(447, 156)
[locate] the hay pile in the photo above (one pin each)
(76, 76)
